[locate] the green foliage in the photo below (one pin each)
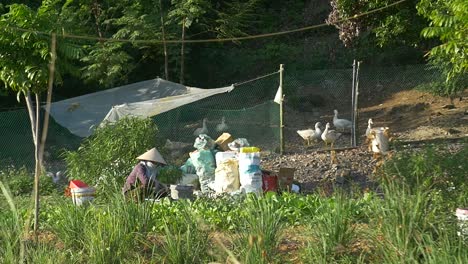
(25, 54)
(185, 243)
(21, 182)
(403, 220)
(108, 63)
(399, 25)
(334, 228)
(411, 221)
(170, 175)
(108, 156)
(436, 170)
(259, 229)
(448, 23)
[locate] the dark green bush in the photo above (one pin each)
(170, 175)
(108, 156)
(21, 182)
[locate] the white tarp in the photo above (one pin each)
(82, 114)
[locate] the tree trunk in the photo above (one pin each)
(41, 144)
(181, 81)
(166, 63)
(96, 10)
(32, 117)
(38, 167)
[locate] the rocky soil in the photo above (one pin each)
(415, 119)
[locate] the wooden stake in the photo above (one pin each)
(281, 111)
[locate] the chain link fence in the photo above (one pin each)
(311, 97)
(249, 111)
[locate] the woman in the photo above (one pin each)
(142, 181)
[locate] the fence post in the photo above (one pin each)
(353, 96)
(281, 135)
(356, 100)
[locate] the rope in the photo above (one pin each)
(254, 79)
(154, 41)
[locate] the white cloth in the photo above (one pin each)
(82, 114)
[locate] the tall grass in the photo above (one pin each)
(414, 222)
(401, 222)
(259, 229)
(11, 231)
(333, 230)
(185, 243)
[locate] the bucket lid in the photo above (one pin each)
(77, 184)
(152, 155)
(462, 211)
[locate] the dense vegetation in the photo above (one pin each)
(394, 36)
(409, 218)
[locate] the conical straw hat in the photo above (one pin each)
(152, 155)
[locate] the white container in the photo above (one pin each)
(81, 196)
(462, 215)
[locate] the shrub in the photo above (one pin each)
(186, 242)
(170, 175)
(21, 182)
(108, 156)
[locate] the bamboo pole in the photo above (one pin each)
(281, 110)
(356, 105)
(182, 59)
(353, 96)
(166, 64)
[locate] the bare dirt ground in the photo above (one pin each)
(415, 119)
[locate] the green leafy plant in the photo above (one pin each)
(170, 175)
(334, 229)
(448, 22)
(187, 242)
(21, 181)
(109, 155)
(260, 229)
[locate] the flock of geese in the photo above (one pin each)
(220, 128)
(328, 136)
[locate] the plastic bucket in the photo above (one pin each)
(81, 196)
(270, 182)
(181, 191)
(462, 215)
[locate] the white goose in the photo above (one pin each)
(201, 130)
(222, 127)
(341, 124)
(369, 135)
(310, 134)
(330, 136)
(369, 127)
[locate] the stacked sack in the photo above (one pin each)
(250, 174)
(226, 173)
(203, 161)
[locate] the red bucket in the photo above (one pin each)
(270, 182)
